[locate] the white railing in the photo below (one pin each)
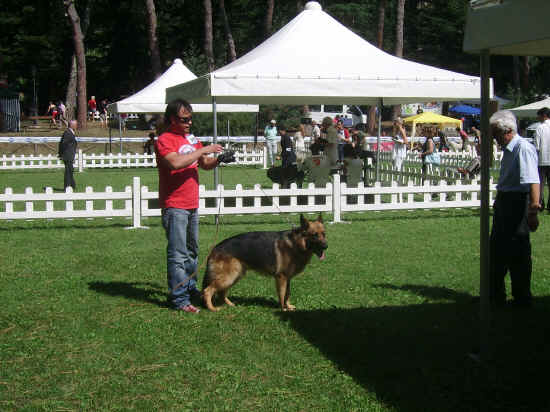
(111, 160)
(137, 202)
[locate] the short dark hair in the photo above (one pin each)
(545, 111)
(173, 108)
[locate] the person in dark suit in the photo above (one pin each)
(67, 152)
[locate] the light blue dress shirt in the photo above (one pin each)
(519, 166)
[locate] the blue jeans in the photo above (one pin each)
(182, 232)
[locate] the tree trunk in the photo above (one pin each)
(231, 53)
(381, 19)
(517, 83)
(208, 35)
(269, 18)
(70, 96)
(525, 73)
(153, 41)
(371, 118)
(78, 39)
(399, 42)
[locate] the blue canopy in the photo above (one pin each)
(465, 110)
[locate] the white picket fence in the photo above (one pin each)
(137, 202)
(95, 161)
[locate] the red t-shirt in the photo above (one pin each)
(178, 188)
(92, 105)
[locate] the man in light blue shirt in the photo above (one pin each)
(515, 212)
(270, 134)
(542, 143)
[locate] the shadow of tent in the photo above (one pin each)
(416, 358)
(142, 291)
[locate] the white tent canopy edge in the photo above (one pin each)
(303, 64)
(151, 98)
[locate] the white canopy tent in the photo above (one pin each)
(316, 60)
(504, 27)
(151, 98)
(531, 109)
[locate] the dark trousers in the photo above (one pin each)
(544, 176)
(510, 248)
(68, 179)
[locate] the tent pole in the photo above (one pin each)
(110, 135)
(378, 140)
(486, 157)
(120, 132)
(215, 141)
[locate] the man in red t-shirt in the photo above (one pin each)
(92, 108)
(179, 155)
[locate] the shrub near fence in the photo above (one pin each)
(137, 202)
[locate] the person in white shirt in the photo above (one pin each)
(315, 131)
(300, 147)
(399, 151)
(542, 143)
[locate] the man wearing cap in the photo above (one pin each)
(270, 134)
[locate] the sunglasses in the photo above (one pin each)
(185, 120)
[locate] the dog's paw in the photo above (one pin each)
(289, 308)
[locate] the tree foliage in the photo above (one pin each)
(38, 34)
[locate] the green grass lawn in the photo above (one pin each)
(385, 323)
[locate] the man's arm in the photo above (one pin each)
(177, 161)
(534, 207)
(207, 162)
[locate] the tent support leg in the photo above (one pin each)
(378, 140)
(486, 157)
(215, 141)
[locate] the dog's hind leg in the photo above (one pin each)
(207, 295)
(223, 272)
(226, 299)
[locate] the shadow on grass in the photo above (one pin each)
(76, 223)
(254, 301)
(417, 358)
(407, 215)
(143, 291)
(429, 291)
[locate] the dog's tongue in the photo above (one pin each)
(322, 257)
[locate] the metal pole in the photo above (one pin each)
(34, 101)
(120, 132)
(110, 138)
(378, 141)
(214, 141)
(486, 146)
(215, 136)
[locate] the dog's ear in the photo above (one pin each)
(304, 223)
(320, 218)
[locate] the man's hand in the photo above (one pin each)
(212, 148)
(532, 222)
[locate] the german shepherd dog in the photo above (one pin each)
(282, 255)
